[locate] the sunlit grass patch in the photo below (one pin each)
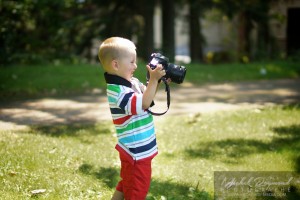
(54, 158)
(80, 162)
(243, 140)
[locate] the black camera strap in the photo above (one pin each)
(167, 89)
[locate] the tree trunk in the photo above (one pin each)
(168, 15)
(264, 44)
(196, 52)
(244, 28)
(146, 44)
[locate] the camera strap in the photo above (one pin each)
(167, 89)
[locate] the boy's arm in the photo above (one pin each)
(152, 86)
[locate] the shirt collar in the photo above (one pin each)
(114, 79)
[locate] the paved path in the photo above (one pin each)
(184, 99)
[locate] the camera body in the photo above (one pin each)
(175, 72)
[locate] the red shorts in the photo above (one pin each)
(136, 178)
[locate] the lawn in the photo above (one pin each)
(64, 79)
(79, 161)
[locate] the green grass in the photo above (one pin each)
(201, 74)
(80, 162)
(49, 80)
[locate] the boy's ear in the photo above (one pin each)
(114, 64)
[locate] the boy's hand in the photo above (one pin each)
(157, 73)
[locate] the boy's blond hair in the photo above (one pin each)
(114, 48)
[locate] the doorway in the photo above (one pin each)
(293, 31)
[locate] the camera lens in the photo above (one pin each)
(176, 73)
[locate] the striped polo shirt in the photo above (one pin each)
(134, 126)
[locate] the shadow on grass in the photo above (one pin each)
(287, 138)
(110, 177)
(292, 106)
(292, 193)
(229, 150)
(107, 175)
(175, 191)
(73, 130)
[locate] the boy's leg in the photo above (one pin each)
(136, 180)
(118, 195)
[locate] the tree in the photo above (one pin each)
(60, 29)
(196, 12)
(146, 39)
(248, 13)
(264, 39)
(240, 9)
(27, 29)
(168, 28)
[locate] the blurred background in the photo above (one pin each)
(184, 30)
(237, 109)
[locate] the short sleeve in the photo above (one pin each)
(130, 102)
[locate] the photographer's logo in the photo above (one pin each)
(250, 185)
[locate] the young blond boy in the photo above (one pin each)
(128, 100)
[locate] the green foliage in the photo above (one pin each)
(41, 31)
(79, 161)
(252, 14)
(295, 56)
(29, 30)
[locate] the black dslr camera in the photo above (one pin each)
(175, 72)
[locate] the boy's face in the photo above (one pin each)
(127, 65)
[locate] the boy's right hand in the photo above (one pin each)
(157, 73)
